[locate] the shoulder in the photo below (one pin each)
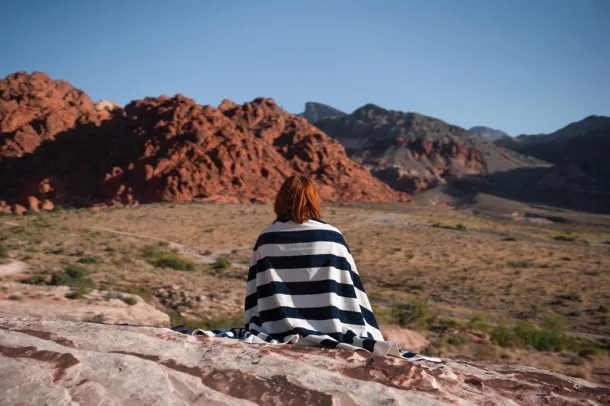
(292, 226)
(319, 224)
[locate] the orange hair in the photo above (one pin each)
(297, 200)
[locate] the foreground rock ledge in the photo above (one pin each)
(61, 363)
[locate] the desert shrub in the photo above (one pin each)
(441, 325)
(14, 297)
(3, 251)
(478, 322)
(82, 289)
(98, 318)
(458, 339)
(32, 250)
(163, 244)
(564, 236)
(129, 300)
(458, 226)
(76, 271)
(503, 335)
(150, 250)
(221, 264)
(551, 337)
(145, 292)
(414, 314)
(236, 320)
(174, 261)
(60, 278)
(73, 276)
(35, 280)
(162, 259)
(88, 260)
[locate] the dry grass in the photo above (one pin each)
(459, 264)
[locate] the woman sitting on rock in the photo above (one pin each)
(303, 286)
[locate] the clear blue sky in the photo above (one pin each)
(521, 66)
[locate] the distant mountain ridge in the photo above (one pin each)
(413, 152)
(580, 177)
(536, 144)
(317, 111)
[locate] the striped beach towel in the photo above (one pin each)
(304, 288)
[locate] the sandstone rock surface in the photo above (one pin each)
(56, 145)
(50, 303)
(66, 363)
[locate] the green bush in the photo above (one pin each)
(222, 263)
(76, 271)
(130, 300)
(3, 251)
(174, 261)
(72, 276)
(145, 292)
(163, 259)
(150, 250)
(414, 314)
(551, 337)
(35, 280)
(82, 288)
(478, 322)
(503, 335)
(98, 318)
(60, 278)
(236, 320)
(459, 339)
(88, 260)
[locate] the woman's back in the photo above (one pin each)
(303, 280)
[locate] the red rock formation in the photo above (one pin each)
(34, 108)
(57, 147)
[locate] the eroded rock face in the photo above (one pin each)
(412, 152)
(34, 108)
(57, 362)
(58, 146)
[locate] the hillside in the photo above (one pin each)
(412, 152)
(487, 134)
(56, 147)
(580, 177)
(315, 112)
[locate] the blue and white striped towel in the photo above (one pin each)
(304, 288)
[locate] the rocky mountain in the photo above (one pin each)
(58, 362)
(317, 111)
(488, 134)
(580, 177)
(574, 141)
(56, 147)
(412, 152)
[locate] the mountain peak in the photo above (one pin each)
(315, 112)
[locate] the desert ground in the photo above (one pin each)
(484, 283)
